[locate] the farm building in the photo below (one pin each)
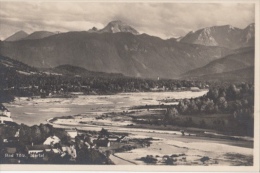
(194, 89)
(51, 140)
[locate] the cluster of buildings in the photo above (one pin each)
(5, 115)
(12, 153)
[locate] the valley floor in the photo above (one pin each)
(167, 147)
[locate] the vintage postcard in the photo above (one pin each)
(129, 85)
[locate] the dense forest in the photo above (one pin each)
(44, 85)
(232, 108)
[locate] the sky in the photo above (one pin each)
(164, 20)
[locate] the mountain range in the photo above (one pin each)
(131, 55)
(241, 60)
(119, 48)
(112, 27)
(12, 68)
(17, 36)
(241, 75)
(21, 35)
(223, 36)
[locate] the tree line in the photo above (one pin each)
(234, 100)
(42, 85)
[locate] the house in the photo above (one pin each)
(51, 140)
(70, 150)
(5, 115)
(113, 139)
(158, 89)
(92, 139)
(11, 140)
(124, 139)
(4, 119)
(117, 138)
(36, 97)
(4, 111)
(36, 149)
(72, 133)
(88, 145)
(56, 151)
(102, 143)
(194, 89)
(17, 134)
(64, 148)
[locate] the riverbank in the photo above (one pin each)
(193, 148)
(167, 143)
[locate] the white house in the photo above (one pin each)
(194, 89)
(51, 140)
(72, 151)
(35, 149)
(72, 133)
(4, 119)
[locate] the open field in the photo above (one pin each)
(191, 148)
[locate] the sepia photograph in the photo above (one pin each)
(121, 85)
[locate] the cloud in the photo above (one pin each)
(160, 19)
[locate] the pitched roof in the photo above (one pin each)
(51, 139)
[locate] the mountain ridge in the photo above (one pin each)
(119, 48)
(118, 26)
(70, 70)
(38, 35)
(238, 60)
(17, 36)
(241, 75)
(224, 36)
(132, 55)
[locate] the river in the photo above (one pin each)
(36, 111)
(220, 152)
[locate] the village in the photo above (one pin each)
(75, 147)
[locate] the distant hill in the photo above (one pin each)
(224, 36)
(38, 35)
(241, 75)
(17, 36)
(69, 70)
(123, 52)
(10, 67)
(243, 58)
(248, 36)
